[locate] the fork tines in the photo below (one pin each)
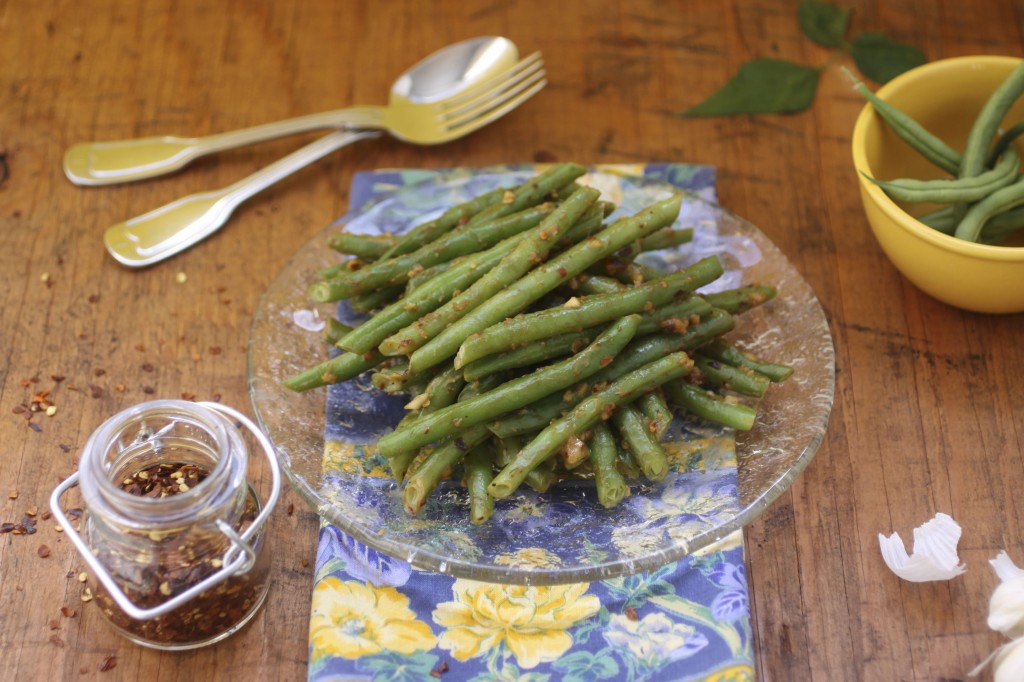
(494, 98)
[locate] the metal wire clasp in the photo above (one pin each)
(238, 558)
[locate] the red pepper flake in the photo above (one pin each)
(139, 347)
(57, 641)
(291, 508)
(147, 367)
(148, 390)
(562, 271)
(57, 377)
(64, 447)
(68, 612)
(99, 371)
(94, 298)
(25, 383)
(43, 551)
(54, 624)
(45, 516)
(95, 391)
(188, 396)
(108, 663)
(632, 614)
(441, 669)
(215, 350)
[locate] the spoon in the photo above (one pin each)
(444, 75)
(470, 97)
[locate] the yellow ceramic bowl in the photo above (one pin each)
(945, 97)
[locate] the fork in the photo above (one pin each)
(106, 163)
(170, 229)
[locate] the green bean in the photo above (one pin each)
(441, 392)
(531, 246)
(639, 352)
(599, 284)
(391, 378)
(999, 201)
(666, 238)
(968, 189)
(646, 451)
(723, 352)
(339, 368)
(397, 270)
(658, 413)
(942, 219)
(673, 317)
(513, 394)
(723, 375)
(1002, 226)
(587, 413)
(505, 449)
(1003, 143)
(910, 131)
(365, 246)
(544, 278)
(334, 330)
(372, 300)
(477, 476)
(587, 312)
(540, 479)
(979, 139)
(439, 289)
(710, 406)
(437, 465)
(741, 299)
(556, 179)
(604, 453)
(427, 232)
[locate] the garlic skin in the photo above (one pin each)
(1009, 663)
(934, 557)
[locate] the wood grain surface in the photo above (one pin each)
(928, 407)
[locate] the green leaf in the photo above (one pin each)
(762, 86)
(823, 23)
(881, 59)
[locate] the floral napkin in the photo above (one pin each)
(374, 617)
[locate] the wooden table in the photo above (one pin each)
(927, 413)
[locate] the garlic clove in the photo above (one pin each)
(1006, 608)
(934, 557)
(1009, 663)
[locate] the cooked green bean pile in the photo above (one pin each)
(983, 196)
(533, 346)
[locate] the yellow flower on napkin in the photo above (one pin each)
(532, 621)
(353, 619)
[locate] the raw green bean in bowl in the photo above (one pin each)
(938, 164)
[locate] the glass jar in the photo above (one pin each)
(173, 532)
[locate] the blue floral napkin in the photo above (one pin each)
(374, 617)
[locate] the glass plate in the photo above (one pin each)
(564, 535)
